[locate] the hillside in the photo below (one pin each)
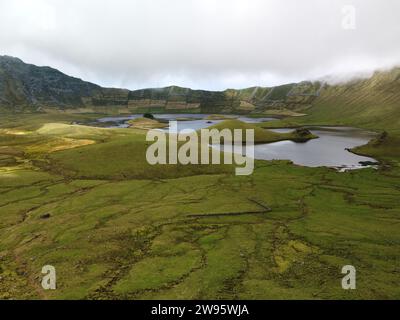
(373, 102)
(26, 87)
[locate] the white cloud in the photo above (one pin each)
(211, 44)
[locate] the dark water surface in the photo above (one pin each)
(330, 149)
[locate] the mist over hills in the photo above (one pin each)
(29, 88)
(372, 102)
(25, 86)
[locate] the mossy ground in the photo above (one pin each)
(119, 228)
(146, 123)
(262, 135)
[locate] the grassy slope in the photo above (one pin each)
(385, 147)
(111, 236)
(261, 135)
(371, 103)
(145, 123)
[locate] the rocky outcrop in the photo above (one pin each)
(27, 86)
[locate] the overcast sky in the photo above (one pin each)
(209, 44)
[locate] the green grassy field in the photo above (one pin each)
(263, 135)
(85, 201)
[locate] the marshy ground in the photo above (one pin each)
(85, 201)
